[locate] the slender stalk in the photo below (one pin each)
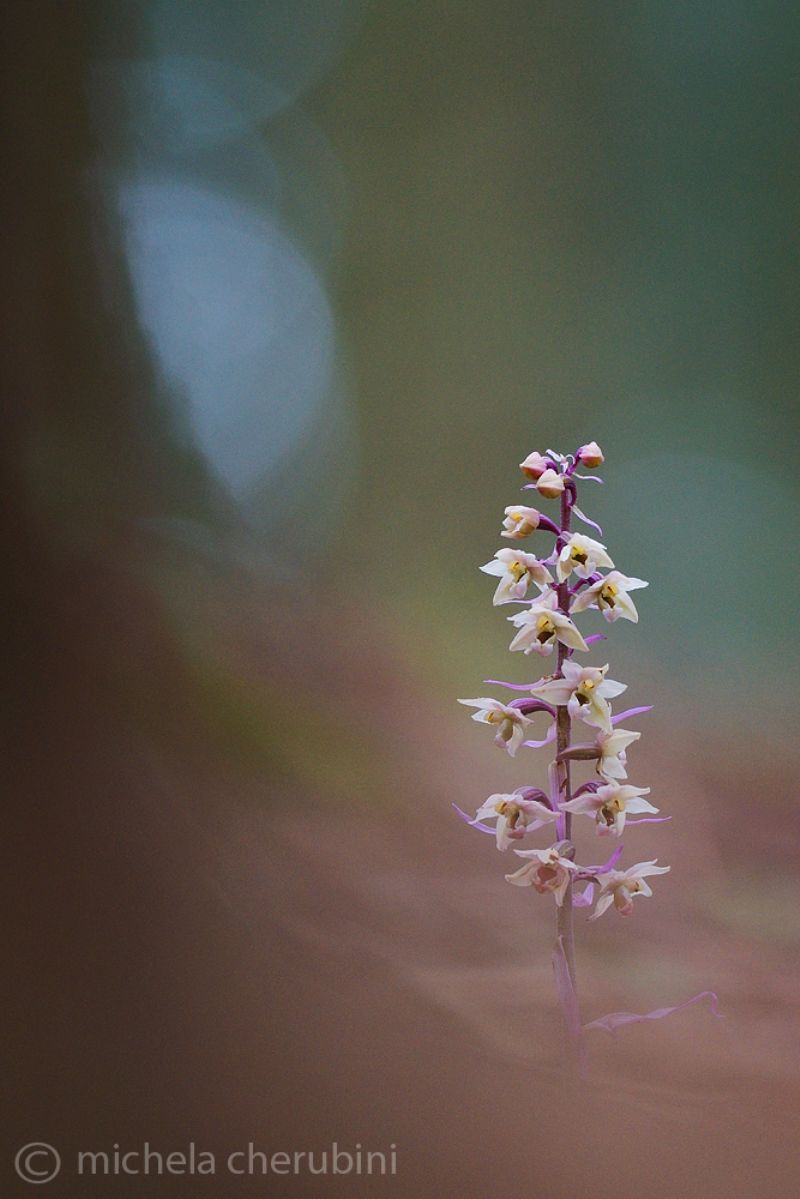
(565, 929)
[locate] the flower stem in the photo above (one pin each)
(564, 915)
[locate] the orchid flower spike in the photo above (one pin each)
(584, 578)
(509, 721)
(585, 690)
(609, 806)
(583, 555)
(535, 465)
(610, 595)
(612, 761)
(542, 625)
(520, 522)
(516, 571)
(515, 815)
(590, 454)
(545, 871)
(620, 887)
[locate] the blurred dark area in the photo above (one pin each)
(289, 290)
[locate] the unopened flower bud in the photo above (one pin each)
(550, 484)
(534, 465)
(591, 454)
(519, 522)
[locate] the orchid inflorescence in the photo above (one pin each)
(552, 590)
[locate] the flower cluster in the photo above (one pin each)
(575, 576)
(550, 590)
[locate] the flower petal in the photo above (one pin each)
(615, 1020)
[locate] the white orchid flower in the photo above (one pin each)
(515, 815)
(542, 625)
(545, 871)
(519, 522)
(610, 595)
(620, 887)
(583, 555)
(516, 571)
(510, 722)
(612, 761)
(585, 691)
(609, 805)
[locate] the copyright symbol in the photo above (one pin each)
(37, 1162)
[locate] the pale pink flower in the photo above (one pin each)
(519, 522)
(590, 454)
(516, 571)
(545, 871)
(620, 887)
(610, 595)
(534, 465)
(609, 805)
(583, 555)
(612, 761)
(515, 815)
(542, 625)
(550, 484)
(510, 722)
(584, 690)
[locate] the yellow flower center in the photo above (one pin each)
(609, 811)
(607, 594)
(579, 555)
(510, 810)
(546, 629)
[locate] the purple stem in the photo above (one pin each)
(565, 927)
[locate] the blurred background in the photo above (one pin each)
(291, 287)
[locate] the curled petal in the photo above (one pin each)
(484, 828)
(580, 515)
(511, 686)
(615, 1020)
(590, 640)
(649, 820)
(631, 712)
(587, 872)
